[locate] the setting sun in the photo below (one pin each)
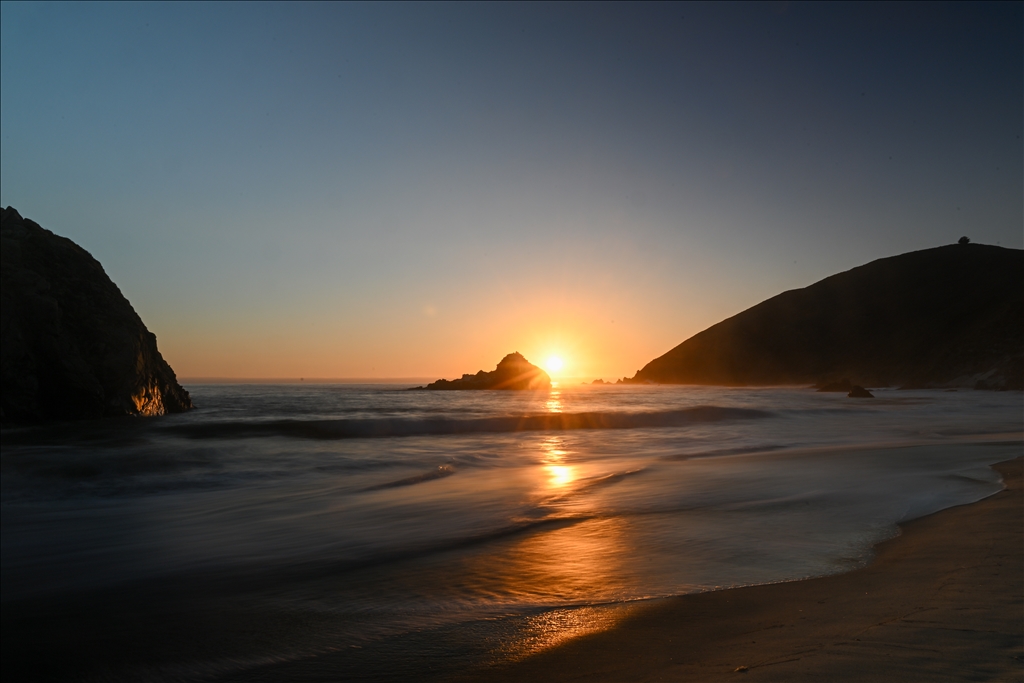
(553, 365)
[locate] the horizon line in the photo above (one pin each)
(214, 379)
(326, 380)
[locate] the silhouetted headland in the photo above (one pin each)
(513, 372)
(951, 316)
(72, 345)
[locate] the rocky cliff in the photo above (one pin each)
(71, 346)
(944, 317)
(513, 372)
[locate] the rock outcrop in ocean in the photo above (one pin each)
(952, 316)
(513, 372)
(71, 346)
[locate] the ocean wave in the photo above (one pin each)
(314, 567)
(439, 472)
(740, 450)
(391, 427)
(584, 486)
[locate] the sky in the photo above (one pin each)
(415, 190)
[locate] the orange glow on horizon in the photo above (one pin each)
(571, 343)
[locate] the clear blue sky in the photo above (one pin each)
(365, 190)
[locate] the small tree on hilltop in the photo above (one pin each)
(964, 240)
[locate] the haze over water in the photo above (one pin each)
(367, 530)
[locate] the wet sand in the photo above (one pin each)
(943, 601)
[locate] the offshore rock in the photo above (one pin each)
(513, 372)
(71, 346)
(859, 392)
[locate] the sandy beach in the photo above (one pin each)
(943, 601)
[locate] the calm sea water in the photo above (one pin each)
(369, 532)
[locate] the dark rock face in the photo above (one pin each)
(859, 392)
(952, 316)
(513, 372)
(71, 346)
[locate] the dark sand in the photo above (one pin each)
(944, 601)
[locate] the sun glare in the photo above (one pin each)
(553, 365)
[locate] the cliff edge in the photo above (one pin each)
(952, 316)
(71, 346)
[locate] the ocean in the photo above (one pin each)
(367, 532)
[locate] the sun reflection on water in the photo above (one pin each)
(573, 566)
(559, 475)
(554, 404)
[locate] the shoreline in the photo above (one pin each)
(942, 600)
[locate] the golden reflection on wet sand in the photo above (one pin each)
(584, 561)
(557, 626)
